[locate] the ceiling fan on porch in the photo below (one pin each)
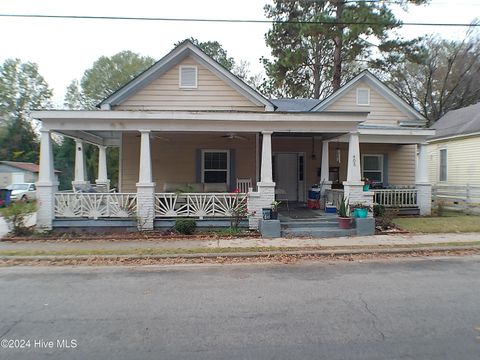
(233, 136)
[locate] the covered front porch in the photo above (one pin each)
(207, 166)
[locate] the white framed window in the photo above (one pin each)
(372, 167)
(443, 165)
(363, 96)
(215, 166)
(188, 77)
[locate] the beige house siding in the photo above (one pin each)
(463, 161)
(212, 93)
(400, 160)
(381, 110)
(174, 160)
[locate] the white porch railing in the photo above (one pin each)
(396, 198)
(95, 205)
(199, 204)
(334, 196)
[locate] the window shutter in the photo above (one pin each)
(233, 176)
(188, 76)
(385, 169)
(198, 166)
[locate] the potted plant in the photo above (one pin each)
(366, 184)
(275, 205)
(344, 219)
(360, 210)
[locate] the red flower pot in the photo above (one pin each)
(344, 223)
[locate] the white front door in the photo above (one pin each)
(286, 174)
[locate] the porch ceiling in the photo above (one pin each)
(97, 123)
(105, 138)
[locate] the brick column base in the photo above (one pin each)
(424, 198)
(145, 206)
(263, 198)
(45, 205)
(353, 191)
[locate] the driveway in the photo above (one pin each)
(404, 309)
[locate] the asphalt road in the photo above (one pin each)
(415, 309)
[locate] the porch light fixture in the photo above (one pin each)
(338, 155)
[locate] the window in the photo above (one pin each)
(363, 96)
(188, 77)
(443, 165)
(215, 166)
(373, 167)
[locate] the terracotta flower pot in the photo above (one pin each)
(344, 222)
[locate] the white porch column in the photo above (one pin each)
(325, 167)
(353, 187)
(422, 183)
(266, 172)
(80, 170)
(145, 185)
(102, 167)
(46, 185)
(265, 195)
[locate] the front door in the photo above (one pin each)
(286, 175)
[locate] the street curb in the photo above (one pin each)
(301, 253)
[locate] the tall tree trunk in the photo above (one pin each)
(338, 41)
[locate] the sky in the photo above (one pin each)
(65, 48)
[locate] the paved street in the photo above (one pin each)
(401, 309)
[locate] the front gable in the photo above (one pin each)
(160, 88)
(383, 105)
(210, 93)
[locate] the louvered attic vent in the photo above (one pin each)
(363, 96)
(188, 77)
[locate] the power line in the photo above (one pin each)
(252, 21)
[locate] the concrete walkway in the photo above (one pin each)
(343, 242)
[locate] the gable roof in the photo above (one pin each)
(186, 48)
(293, 105)
(377, 84)
(458, 122)
(27, 166)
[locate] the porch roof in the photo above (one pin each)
(103, 127)
(391, 135)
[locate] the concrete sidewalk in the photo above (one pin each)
(400, 240)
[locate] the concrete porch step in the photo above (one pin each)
(324, 232)
(310, 223)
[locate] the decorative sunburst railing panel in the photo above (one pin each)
(95, 205)
(199, 205)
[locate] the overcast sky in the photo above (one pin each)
(64, 49)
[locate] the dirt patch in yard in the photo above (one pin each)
(274, 259)
(130, 236)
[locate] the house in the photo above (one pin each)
(190, 132)
(454, 155)
(19, 172)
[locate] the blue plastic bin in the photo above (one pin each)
(5, 197)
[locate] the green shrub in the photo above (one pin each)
(185, 226)
(378, 210)
(16, 215)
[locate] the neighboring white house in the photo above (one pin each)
(12, 172)
(454, 155)
(187, 123)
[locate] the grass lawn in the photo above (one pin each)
(452, 222)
